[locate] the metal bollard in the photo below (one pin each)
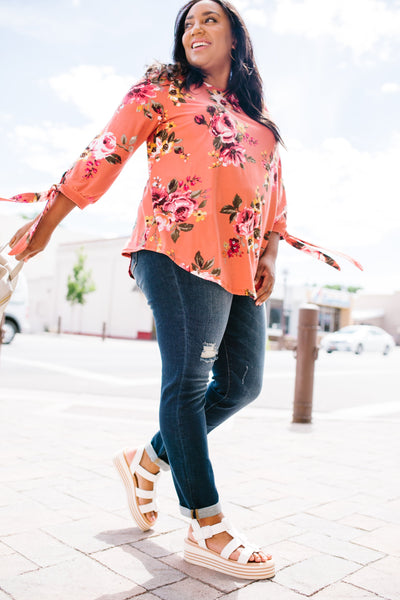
(306, 355)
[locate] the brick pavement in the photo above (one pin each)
(323, 498)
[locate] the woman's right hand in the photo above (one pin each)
(20, 233)
(25, 245)
(31, 239)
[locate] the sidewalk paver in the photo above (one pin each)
(345, 591)
(15, 564)
(384, 539)
(188, 590)
(137, 566)
(324, 499)
(382, 578)
(309, 576)
(81, 578)
(340, 548)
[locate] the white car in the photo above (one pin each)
(358, 338)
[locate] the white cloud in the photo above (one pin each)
(390, 88)
(243, 5)
(94, 90)
(40, 23)
(255, 16)
(50, 148)
(364, 26)
(340, 195)
(252, 11)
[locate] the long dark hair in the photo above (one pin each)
(245, 80)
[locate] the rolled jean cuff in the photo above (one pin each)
(201, 513)
(154, 458)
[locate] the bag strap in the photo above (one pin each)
(13, 273)
(16, 270)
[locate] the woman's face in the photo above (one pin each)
(208, 39)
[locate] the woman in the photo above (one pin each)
(203, 251)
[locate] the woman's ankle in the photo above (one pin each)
(145, 461)
(204, 521)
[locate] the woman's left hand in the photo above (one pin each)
(265, 278)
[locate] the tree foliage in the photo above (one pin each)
(80, 282)
(352, 289)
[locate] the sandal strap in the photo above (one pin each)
(146, 494)
(231, 546)
(246, 552)
(201, 534)
(149, 507)
(145, 474)
(239, 541)
(135, 467)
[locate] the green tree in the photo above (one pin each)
(352, 289)
(80, 282)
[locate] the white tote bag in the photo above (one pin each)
(8, 279)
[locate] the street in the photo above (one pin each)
(130, 370)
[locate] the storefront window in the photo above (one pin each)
(275, 317)
(328, 319)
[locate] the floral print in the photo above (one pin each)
(141, 94)
(176, 93)
(223, 127)
(204, 268)
(227, 134)
(163, 142)
(246, 224)
(174, 205)
(215, 190)
(105, 146)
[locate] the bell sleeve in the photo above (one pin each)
(139, 114)
(279, 201)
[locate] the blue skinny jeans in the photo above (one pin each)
(201, 328)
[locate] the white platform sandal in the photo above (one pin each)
(133, 491)
(199, 554)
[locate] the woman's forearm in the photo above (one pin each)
(57, 211)
(30, 240)
(273, 245)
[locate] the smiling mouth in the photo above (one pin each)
(197, 45)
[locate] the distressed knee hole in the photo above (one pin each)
(209, 352)
(245, 373)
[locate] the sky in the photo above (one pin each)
(331, 72)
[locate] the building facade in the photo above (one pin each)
(335, 308)
(382, 310)
(116, 308)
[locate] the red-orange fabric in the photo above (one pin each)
(215, 189)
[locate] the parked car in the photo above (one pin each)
(16, 313)
(358, 338)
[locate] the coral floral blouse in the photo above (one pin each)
(214, 192)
